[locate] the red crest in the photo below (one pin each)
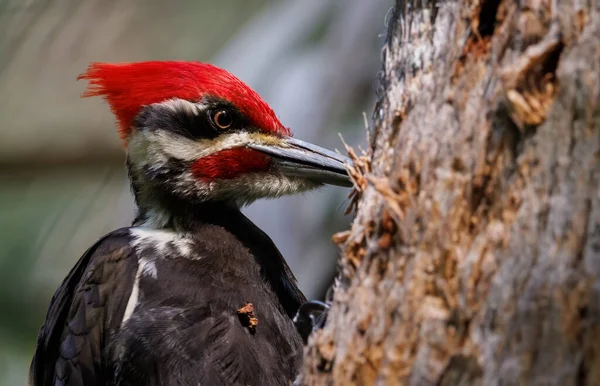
(130, 86)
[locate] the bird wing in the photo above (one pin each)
(277, 271)
(87, 307)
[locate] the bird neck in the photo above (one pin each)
(168, 212)
(171, 213)
(160, 207)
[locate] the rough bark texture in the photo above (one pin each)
(474, 258)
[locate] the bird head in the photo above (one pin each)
(195, 132)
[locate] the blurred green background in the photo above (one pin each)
(62, 179)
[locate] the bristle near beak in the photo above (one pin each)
(296, 158)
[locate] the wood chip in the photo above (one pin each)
(247, 317)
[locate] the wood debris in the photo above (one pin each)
(247, 317)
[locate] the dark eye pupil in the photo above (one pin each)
(222, 119)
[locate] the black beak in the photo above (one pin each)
(302, 159)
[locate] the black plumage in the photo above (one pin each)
(185, 328)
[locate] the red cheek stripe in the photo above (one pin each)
(230, 163)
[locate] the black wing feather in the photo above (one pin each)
(88, 305)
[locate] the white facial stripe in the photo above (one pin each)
(169, 144)
(156, 147)
(189, 150)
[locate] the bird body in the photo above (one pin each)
(193, 293)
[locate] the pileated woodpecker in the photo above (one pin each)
(193, 293)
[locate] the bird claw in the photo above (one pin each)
(310, 317)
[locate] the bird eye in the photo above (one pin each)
(222, 119)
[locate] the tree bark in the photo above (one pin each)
(474, 257)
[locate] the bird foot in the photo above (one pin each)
(310, 317)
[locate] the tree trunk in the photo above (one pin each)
(474, 258)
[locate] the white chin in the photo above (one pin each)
(248, 188)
